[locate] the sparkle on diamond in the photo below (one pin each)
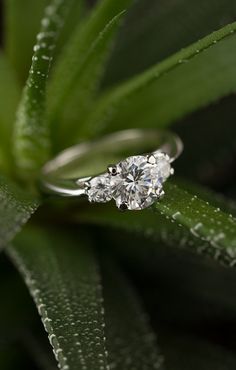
(100, 189)
(137, 181)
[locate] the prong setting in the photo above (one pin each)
(151, 159)
(160, 193)
(87, 185)
(112, 170)
(123, 207)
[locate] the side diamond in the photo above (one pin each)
(163, 167)
(99, 189)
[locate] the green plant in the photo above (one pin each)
(97, 69)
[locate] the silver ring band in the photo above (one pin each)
(71, 172)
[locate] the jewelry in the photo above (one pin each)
(134, 182)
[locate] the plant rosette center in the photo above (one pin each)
(134, 183)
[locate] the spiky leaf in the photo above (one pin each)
(32, 139)
(63, 276)
(79, 69)
(186, 81)
(16, 207)
(181, 219)
(20, 34)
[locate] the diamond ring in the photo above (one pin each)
(135, 181)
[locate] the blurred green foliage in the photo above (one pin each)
(118, 291)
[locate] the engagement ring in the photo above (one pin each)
(141, 163)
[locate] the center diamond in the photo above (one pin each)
(138, 182)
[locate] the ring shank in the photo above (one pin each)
(83, 161)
